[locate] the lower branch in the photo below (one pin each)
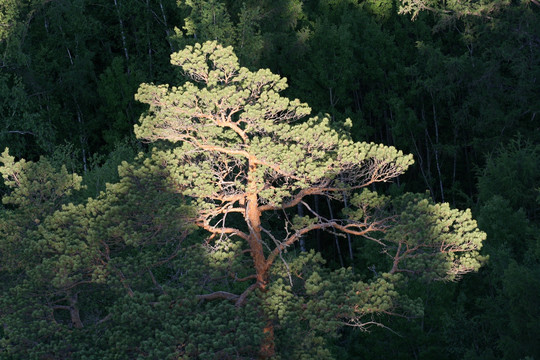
(239, 300)
(20, 132)
(236, 278)
(242, 298)
(106, 318)
(364, 326)
(224, 295)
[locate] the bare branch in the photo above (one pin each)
(277, 242)
(222, 230)
(364, 326)
(20, 132)
(246, 278)
(242, 298)
(360, 229)
(106, 318)
(156, 284)
(224, 295)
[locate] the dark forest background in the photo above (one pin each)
(456, 84)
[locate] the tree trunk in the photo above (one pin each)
(253, 220)
(122, 33)
(73, 309)
(302, 241)
(317, 232)
(166, 25)
(74, 312)
(335, 236)
(349, 241)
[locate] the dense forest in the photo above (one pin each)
(285, 179)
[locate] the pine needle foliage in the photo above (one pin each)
(242, 152)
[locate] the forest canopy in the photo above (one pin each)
(202, 211)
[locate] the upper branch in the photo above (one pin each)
(222, 230)
(360, 229)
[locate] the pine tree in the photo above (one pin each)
(243, 153)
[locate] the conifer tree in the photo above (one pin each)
(71, 269)
(243, 153)
(453, 9)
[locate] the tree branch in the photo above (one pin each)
(218, 295)
(20, 132)
(242, 298)
(222, 230)
(295, 200)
